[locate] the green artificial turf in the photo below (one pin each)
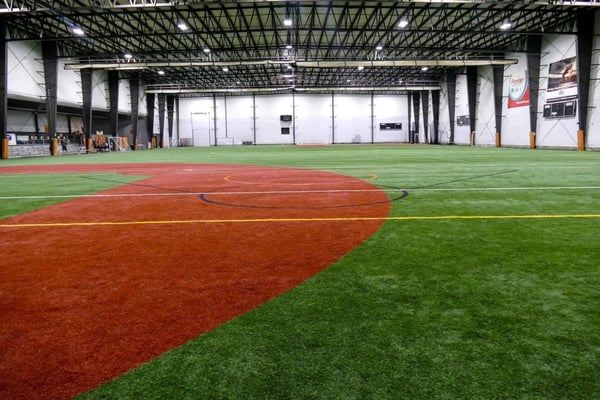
(26, 192)
(449, 308)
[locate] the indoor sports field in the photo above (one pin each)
(301, 272)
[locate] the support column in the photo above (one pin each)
(425, 102)
(254, 117)
(150, 97)
(134, 91)
(416, 97)
(3, 91)
(214, 117)
(472, 95)
(372, 117)
(293, 117)
(435, 109)
(498, 72)
(161, 119)
(409, 107)
(585, 37)
(50, 56)
(170, 114)
(534, 49)
(177, 119)
(332, 118)
(113, 95)
(86, 92)
(451, 83)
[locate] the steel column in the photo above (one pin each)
(498, 82)
(409, 106)
(3, 91)
(170, 116)
(534, 49)
(472, 96)
(416, 97)
(161, 119)
(113, 95)
(435, 108)
(134, 94)
(451, 83)
(86, 93)
(585, 37)
(150, 99)
(425, 102)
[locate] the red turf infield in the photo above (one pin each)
(94, 286)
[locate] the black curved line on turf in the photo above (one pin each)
(204, 198)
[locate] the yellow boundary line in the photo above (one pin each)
(277, 220)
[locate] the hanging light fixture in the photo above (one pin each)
(506, 24)
(403, 23)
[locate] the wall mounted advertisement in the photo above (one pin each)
(562, 80)
(561, 96)
(518, 90)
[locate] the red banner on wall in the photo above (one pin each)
(518, 90)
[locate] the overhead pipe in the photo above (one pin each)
(313, 89)
(128, 65)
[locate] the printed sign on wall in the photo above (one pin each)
(518, 90)
(562, 80)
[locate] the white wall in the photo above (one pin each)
(268, 125)
(485, 122)
(25, 70)
(124, 96)
(240, 118)
(313, 118)
(317, 118)
(100, 90)
(352, 119)
(68, 85)
(196, 120)
(390, 109)
(555, 132)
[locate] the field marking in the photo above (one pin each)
(279, 220)
(231, 179)
(254, 192)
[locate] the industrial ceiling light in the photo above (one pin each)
(361, 67)
(128, 56)
(78, 31)
(425, 68)
(287, 21)
(225, 69)
(206, 50)
(161, 72)
(379, 47)
(182, 26)
(506, 24)
(403, 23)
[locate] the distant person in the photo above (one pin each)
(63, 143)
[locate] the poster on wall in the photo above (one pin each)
(562, 80)
(518, 90)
